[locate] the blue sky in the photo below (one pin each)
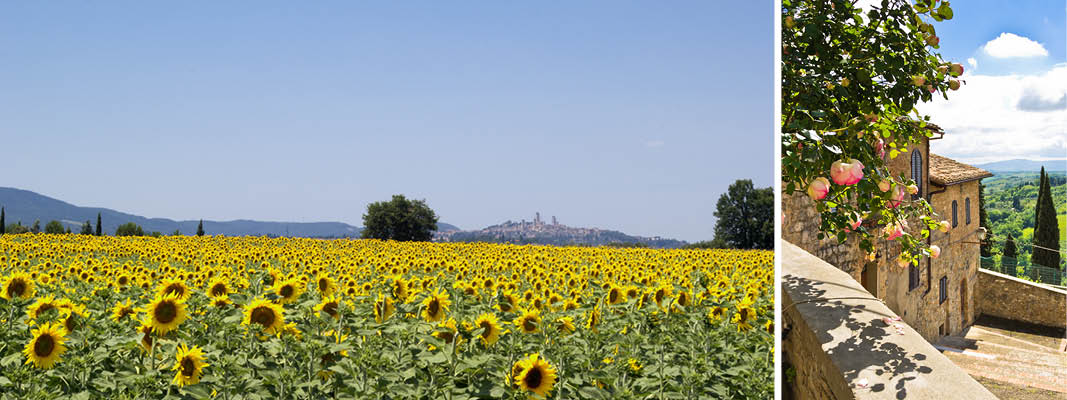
(1014, 100)
(623, 115)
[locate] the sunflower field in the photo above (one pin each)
(280, 318)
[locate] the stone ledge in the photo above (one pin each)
(837, 341)
(1004, 296)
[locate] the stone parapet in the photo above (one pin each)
(840, 346)
(1008, 297)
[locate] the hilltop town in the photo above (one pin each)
(540, 232)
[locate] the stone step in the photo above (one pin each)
(1009, 351)
(1020, 371)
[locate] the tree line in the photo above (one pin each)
(56, 227)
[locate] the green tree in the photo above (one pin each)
(986, 248)
(87, 228)
(54, 227)
(1009, 248)
(16, 229)
(200, 229)
(3, 227)
(176, 233)
(99, 230)
(129, 229)
(850, 83)
(1046, 250)
(399, 219)
(36, 226)
(745, 216)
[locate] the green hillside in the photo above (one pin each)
(1010, 199)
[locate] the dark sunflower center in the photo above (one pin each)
(446, 336)
(529, 325)
(659, 296)
(263, 316)
(125, 311)
(45, 307)
(330, 308)
(323, 285)
(488, 329)
(433, 307)
(533, 377)
(744, 314)
(123, 280)
(175, 289)
(286, 291)
(218, 290)
(505, 306)
(166, 312)
(188, 367)
(44, 345)
(613, 296)
(717, 311)
(17, 287)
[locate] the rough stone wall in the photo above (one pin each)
(1005, 296)
(816, 376)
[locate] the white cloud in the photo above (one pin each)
(1010, 45)
(995, 118)
(973, 63)
(654, 143)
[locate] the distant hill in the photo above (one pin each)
(27, 206)
(1024, 165)
(552, 234)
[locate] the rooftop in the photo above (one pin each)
(945, 171)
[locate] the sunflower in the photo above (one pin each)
(46, 346)
(173, 286)
(565, 325)
(491, 326)
(383, 308)
(769, 327)
(165, 313)
(288, 290)
(122, 310)
(42, 304)
(218, 287)
(331, 306)
(435, 306)
(616, 295)
(325, 285)
(744, 317)
(447, 332)
(593, 319)
(535, 375)
(661, 293)
(20, 285)
(506, 301)
(190, 365)
(400, 289)
(265, 314)
(528, 321)
(716, 314)
(220, 301)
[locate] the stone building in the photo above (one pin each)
(936, 298)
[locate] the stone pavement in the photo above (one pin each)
(1016, 356)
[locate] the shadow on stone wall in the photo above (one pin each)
(868, 345)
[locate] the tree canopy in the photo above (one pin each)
(1046, 227)
(850, 82)
(399, 219)
(745, 216)
(54, 227)
(129, 229)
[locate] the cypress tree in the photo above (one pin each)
(200, 229)
(1040, 196)
(99, 231)
(2, 226)
(1046, 228)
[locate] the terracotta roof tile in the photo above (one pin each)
(945, 171)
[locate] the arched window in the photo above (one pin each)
(917, 172)
(967, 210)
(954, 220)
